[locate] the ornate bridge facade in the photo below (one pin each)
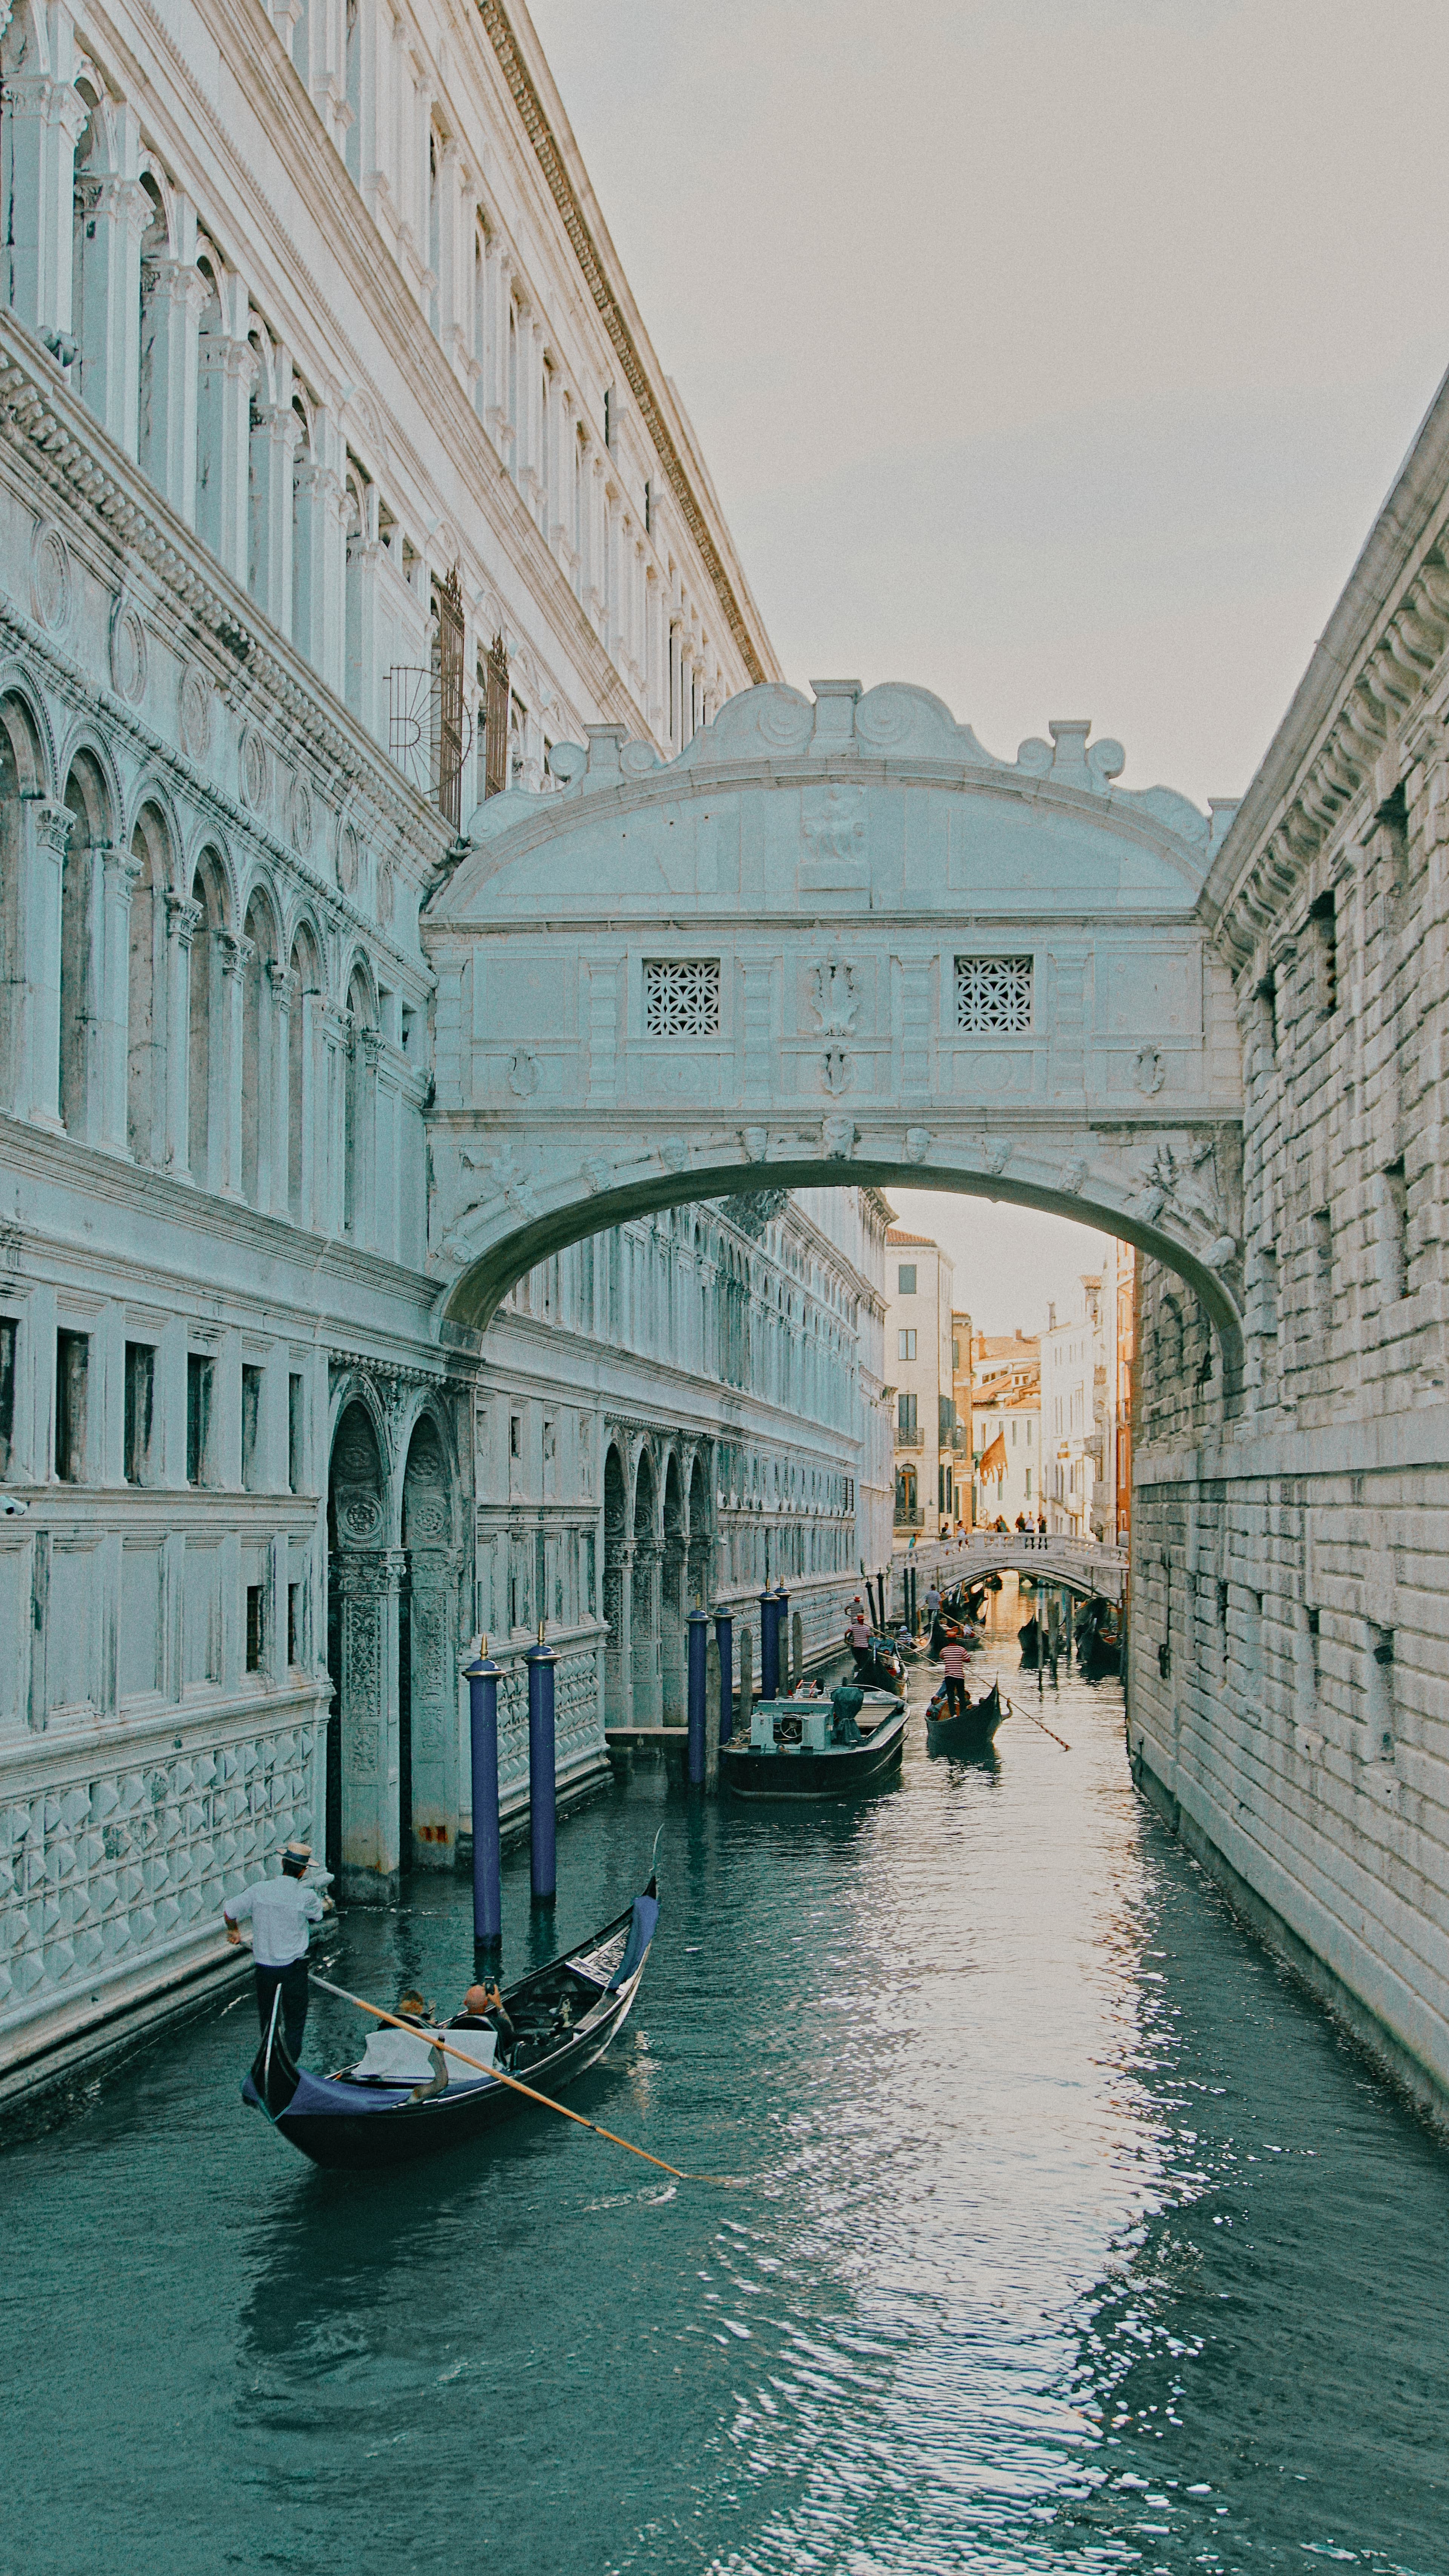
(834, 941)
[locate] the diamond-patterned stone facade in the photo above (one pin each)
(100, 1876)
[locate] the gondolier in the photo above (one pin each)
(281, 1911)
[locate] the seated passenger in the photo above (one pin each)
(485, 2009)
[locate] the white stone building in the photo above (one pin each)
(1006, 1430)
(919, 1281)
(338, 480)
(1084, 1402)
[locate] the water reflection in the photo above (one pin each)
(1067, 2235)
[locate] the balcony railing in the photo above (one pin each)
(910, 1439)
(908, 1519)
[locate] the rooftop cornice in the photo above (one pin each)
(1355, 710)
(559, 160)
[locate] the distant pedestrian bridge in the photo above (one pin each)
(1047, 1557)
(834, 941)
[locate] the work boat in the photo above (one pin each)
(391, 2111)
(822, 1748)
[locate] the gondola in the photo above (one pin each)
(879, 1666)
(969, 1730)
(817, 1748)
(564, 2015)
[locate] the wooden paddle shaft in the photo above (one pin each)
(395, 2023)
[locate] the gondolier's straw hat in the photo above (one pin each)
(297, 1853)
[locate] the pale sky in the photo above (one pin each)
(1053, 354)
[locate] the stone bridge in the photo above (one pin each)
(835, 941)
(1048, 1557)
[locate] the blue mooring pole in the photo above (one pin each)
(542, 1787)
(782, 1636)
(483, 1678)
(698, 1647)
(724, 1637)
(769, 1647)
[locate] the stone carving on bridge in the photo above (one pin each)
(832, 826)
(918, 1144)
(598, 1173)
(838, 1136)
(524, 1074)
(674, 1153)
(834, 996)
(1183, 1186)
(756, 1142)
(996, 1153)
(1149, 1072)
(835, 1069)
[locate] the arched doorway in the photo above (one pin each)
(363, 1585)
(428, 1615)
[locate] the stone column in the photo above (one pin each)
(84, 1121)
(182, 918)
(498, 276)
(619, 1647)
(275, 1150)
(435, 1574)
(319, 567)
(121, 872)
(368, 1584)
(672, 1637)
(272, 446)
(313, 1090)
(224, 1063)
(46, 119)
(43, 831)
(114, 214)
(450, 270)
(331, 1172)
(648, 1690)
(175, 292)
(227, 371)
(367, 1046)
(361, 674)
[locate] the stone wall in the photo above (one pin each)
(1290, 1637)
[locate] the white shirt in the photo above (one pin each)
(281, 1909)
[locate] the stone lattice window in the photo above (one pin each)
(993, 995)
(681, 997)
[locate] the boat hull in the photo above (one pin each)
(357, 2126)
(972, 1732)
(841, 1773)
(410, 2132)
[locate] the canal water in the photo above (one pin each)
(1062, 2232)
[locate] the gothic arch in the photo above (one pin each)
(27, 738)
(149, 793)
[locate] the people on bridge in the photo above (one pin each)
(933, 1601)
(281, 1911)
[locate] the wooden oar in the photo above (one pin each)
(500, 2078)
(1036, 1721)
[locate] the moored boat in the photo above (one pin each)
(564, 2017)
(817, 1748)
(968, 1730)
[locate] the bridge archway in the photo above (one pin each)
(835, 942)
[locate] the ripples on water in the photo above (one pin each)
(1066, 2235)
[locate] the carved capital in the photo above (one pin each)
(182, 918)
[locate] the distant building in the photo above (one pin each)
(1006, 1437)
(1086, 1403)
(961, 1396)
(919, 1279)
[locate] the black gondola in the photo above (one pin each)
(968, 1730)
(816, 1748)
(1028, 1637)
(564, 2017)
(879, 1666)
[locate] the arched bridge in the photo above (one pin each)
(835, 941)
(1079, 1565)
